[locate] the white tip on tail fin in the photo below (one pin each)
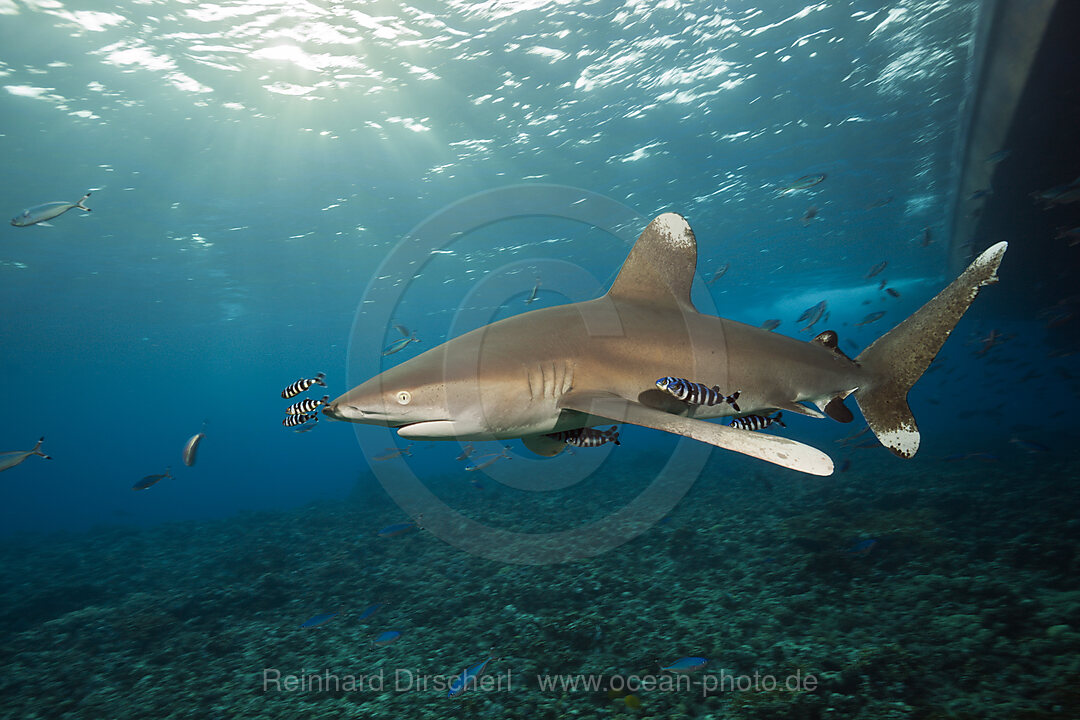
(897, 359)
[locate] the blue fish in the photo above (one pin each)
(863, 547)
(397, 529)
(151, 480)
(385, 638)
(469, 677)
(804, 183)
(370, 610)
(686, 665)
(1029, 445)
(317, 620)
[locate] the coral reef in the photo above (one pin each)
(901, 597)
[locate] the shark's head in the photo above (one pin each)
(426, 397)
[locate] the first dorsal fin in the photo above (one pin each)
(660, 267)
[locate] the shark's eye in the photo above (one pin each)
(404, 397)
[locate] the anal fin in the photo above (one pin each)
(838, 411)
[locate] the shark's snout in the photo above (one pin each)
(336, 411)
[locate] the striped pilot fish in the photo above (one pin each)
(306, 405)
(694, 393)
(757, 422)
(303, 384)
(588, 437)
(294, 420)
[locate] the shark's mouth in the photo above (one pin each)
(355, 414)
(407, 428)
(430, 430)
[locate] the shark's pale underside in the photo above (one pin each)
(597, 362)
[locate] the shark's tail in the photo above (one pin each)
(897, 359)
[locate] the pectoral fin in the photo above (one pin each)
(770, 448)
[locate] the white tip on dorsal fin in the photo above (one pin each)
(660, 267)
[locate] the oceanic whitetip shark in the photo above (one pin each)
(597, 362)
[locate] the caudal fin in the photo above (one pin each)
(37, 448)
(80, 203)
(898, 358)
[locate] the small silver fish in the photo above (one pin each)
(1060, 194)
(303, 384)
(812, 314)
(720, 272)
(804, 183)
(192, 446)
(399, 345)
(152, 480)
(876, 269)
(9, 460)
(306, 405)
(38, 214)
(391, 453)
(872, 317)
(770, 324)
(811, 213)
(535, 291)
(305, 428)
(489, 460)
(465, 452)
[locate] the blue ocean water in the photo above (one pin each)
(252, 165)
(257, 167)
